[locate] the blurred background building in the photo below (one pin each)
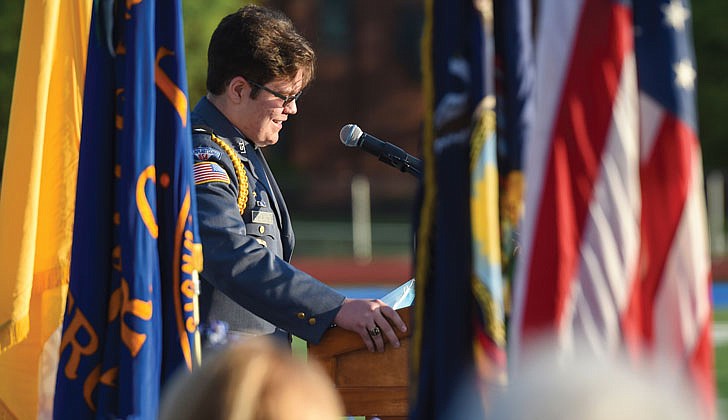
(368, 74)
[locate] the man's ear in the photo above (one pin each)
(237, 89)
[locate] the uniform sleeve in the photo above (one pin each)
(252, 275)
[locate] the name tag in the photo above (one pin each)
(264, 217)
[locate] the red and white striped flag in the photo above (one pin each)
(614, 249)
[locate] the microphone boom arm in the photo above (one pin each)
(352, 136)
(411, 166)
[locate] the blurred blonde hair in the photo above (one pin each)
(252, 380)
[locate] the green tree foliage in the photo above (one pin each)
(11, 16)
(710, 30)
(200, 20)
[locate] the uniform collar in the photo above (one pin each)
(205, 113)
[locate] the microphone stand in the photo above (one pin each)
(413, 168)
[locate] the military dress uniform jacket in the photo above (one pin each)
(248, 281)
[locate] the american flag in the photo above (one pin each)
(614, 249)
(205, 172)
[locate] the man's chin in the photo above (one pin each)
(268, 142)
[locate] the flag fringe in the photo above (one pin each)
(13, 332)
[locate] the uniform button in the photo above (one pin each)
(261, 229)
(301, 315)
(312, 321)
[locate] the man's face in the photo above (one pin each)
(261, 119)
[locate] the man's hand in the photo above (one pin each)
(371, 319)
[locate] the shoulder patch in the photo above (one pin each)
(206, 153)
(206, 172)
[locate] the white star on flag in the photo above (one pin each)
(684, 74)
(676, 14)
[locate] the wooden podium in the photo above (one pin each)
(370, 384)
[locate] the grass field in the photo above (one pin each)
(720, 341)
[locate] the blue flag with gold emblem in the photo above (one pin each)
(459, 328)
(130, 315)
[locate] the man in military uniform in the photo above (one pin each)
(257, 67)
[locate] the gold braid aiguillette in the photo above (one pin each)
(239, 172)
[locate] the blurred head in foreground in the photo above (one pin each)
(579, 387)
(252, 380)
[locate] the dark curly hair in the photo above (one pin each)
(260, 44)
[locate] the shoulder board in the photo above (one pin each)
(204, 153)
(203, 129)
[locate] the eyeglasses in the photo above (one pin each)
(286, 99)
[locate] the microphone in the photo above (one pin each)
(352, 136)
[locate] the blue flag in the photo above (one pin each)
(514, 72)
(130, 314)
(459, 331)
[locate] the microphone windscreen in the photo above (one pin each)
(350, 135)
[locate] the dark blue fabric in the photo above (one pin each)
(128, 321)
(514, 80)
(659, 47)
(446, 381)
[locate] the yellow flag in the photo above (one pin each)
(37, 201)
